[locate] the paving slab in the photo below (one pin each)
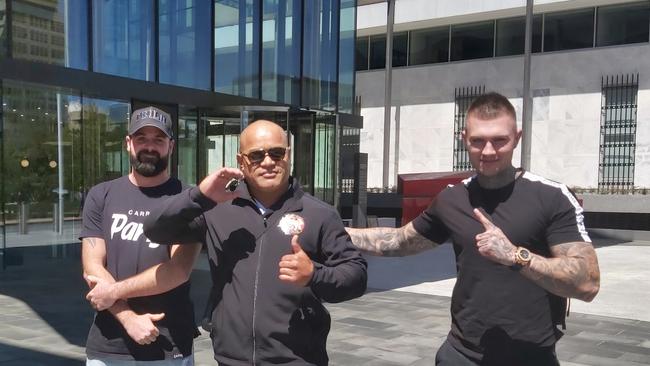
(44, 320)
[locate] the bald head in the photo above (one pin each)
(261, 130)
(267, 178)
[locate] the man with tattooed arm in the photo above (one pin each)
(520, 244)
(139, 288)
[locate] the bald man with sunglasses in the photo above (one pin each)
(275, 254)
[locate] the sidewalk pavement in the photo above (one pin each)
(402, 320)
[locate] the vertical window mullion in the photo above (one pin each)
(212, 45)
(156, 40)
(9, 28)
(595, 28)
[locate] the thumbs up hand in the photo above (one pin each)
(296, 268)
(493, 243)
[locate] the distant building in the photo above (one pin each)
(590, 84)
(71, 71)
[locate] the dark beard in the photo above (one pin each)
(149, 166)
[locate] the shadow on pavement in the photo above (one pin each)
(54, 291)
(388, 273)
(439, 264)
(43, 296)
(16, 356)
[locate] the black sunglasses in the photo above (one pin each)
(258, 156)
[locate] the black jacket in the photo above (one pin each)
(259, 319)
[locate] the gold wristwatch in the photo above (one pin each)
(522, 258)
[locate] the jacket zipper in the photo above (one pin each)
(257, 278)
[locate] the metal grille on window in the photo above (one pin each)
(618, 133)
(463, 98)
(350, 140)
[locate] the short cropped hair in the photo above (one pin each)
(491, 105)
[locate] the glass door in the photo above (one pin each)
(301, 128)
(325, 157)
(218, 140)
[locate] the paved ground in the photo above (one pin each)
(44, 317)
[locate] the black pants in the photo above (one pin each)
(448, 356)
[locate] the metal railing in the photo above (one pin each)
(463, 97)
(618, 122)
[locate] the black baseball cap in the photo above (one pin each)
(151, 116)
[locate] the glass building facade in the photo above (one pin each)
(71, 71)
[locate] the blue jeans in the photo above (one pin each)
(185, 361)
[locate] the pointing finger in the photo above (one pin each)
(487, 224)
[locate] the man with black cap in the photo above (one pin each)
(139, 288)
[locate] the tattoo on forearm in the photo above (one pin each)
(573, 269)
(390, 242)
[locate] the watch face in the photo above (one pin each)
(524, 254)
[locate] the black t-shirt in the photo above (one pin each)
(115, 211)
(494, 308)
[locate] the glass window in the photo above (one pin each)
(187, 141)
(236, 47)
(471, 41)
(618, 129)
(511, 36)
(347, 51)
(400, 49)
(56, 146)
(301, 140)
(361, 54)
(123, 38)
(184, 43)
(569, 30)
(429, 46)
(621, 24)
(218, 141)
(320, 44)
(53, 32)
(324, 157)
(377, 52)
(3, 28)
(281, 50)
(104, 128)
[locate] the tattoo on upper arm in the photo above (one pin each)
(92, 242)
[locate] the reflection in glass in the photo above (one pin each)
(320, 43)
(301, 142)
(361, 57)
(622, 24)
(569, 30)
(281, 51)
(104, 129)
(53, 32)
(324, 158)
(429, 46)
(471, 41)
(3, 28)
(346, 55)
(123, 42)
(184, 43)
(377, 52)
(236, 47)
(511, 36)
(220, 141)
(400, 49)
(43, 179)
(186, 147)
